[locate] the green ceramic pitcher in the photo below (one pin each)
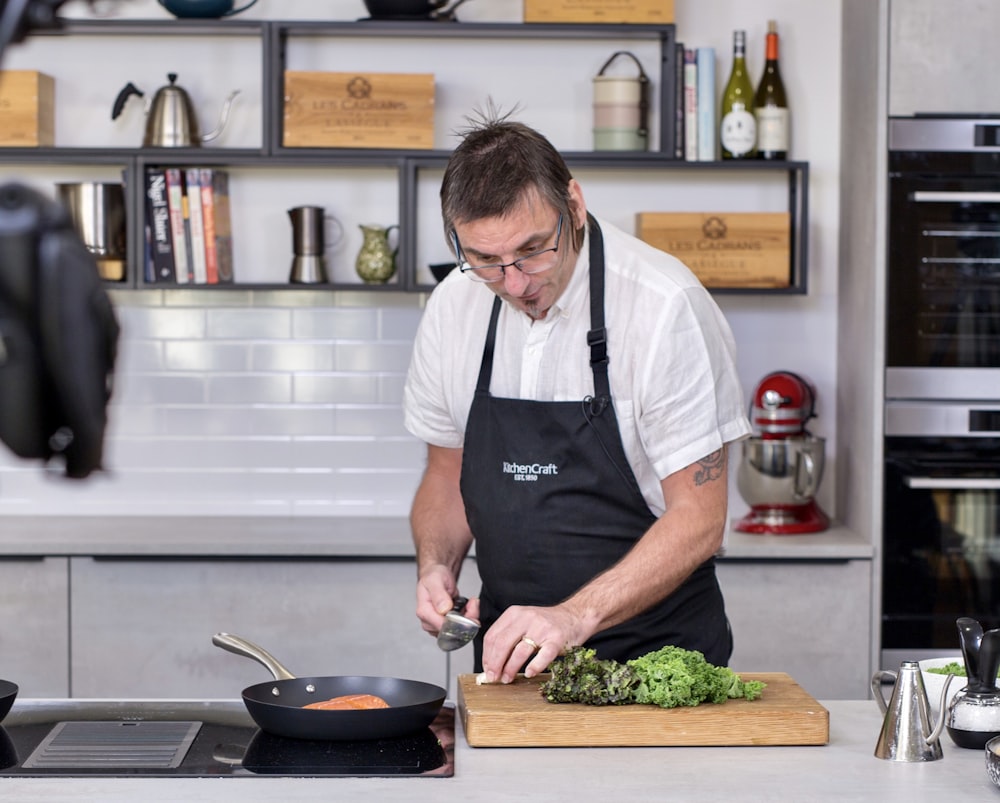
(376, 262)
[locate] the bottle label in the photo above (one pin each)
(739, 130)
(772, 129)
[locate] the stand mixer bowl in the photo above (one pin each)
(780, 476)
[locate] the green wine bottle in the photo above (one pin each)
(738, 129)
(770, 105)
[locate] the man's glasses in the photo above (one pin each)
(535, 262)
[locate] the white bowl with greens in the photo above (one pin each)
(934, 680)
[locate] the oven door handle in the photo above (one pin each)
(954, 483)
(930, 196)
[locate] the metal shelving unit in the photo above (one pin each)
(275, 38)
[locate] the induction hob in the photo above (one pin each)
(199, 738)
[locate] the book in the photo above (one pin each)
(208, 220)
(706, 104)
(161, 250)
(176, 203)
(679, 100)
(690, 105)
(196, 221)
(223, 226)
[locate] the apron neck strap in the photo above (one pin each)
(596, 337)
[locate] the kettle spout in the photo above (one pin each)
(223, 118)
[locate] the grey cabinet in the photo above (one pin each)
(810, 619)
(143, 627)
(34, 620)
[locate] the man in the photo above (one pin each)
(576, 389)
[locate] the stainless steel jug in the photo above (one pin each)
(309, 244)
(98, 213)
(907, 733)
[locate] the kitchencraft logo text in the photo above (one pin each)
(529, 472)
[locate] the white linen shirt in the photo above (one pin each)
(672, 359)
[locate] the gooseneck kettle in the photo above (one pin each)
(171, 121)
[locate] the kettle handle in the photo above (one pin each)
(127, 91)
(238, 10)
(877, 692)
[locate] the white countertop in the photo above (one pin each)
(334, 537)
(845, 769)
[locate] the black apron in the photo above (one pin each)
(552, 501)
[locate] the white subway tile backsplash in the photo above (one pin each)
(345, 388)
(206, 355)
(249, 388)
(373, 357)
(344, 324)
(292, 356)
(249, 324)
(242, 402)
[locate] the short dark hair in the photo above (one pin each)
(496, 164)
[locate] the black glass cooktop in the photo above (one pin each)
(197, 739)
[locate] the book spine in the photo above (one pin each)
(208, 221)
(223, 226)
(200, 267)
(679, 100)
(161, 251)
(706, 104)
(690, 105)
(176, 204)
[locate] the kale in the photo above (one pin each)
(668, 677)
(672, 677)
(581, 677)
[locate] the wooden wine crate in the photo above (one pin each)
(725, 249)
(359, 110)
(647, 12)
(27, 109)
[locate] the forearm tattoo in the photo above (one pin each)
(710, 467)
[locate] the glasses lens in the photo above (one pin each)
(488, 273)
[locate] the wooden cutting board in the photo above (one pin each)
(516, 715)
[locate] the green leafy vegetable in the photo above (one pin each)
(581, 677)
(668, 677)
(948, 669)
(672, 676)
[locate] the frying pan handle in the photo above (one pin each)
(248, 649)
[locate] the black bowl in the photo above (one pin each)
(8, 693)
(401, 9)
(441, 269)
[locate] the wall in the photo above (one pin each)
(288, 403)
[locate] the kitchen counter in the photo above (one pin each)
(845, 769)
(263, 536)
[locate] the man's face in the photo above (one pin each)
(532, 226)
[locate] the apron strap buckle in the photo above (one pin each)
(598, 342)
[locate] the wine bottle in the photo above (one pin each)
(770, 105)
(738, 129)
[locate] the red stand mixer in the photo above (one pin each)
(781, 468)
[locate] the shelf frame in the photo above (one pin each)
(274, 37)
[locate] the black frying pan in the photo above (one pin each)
(8, 693)
(277, 705)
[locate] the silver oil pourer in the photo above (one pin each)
(907, 733)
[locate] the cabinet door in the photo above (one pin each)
(143, 628)
(810, 619)
(34, 629)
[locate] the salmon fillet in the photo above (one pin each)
(349, 702)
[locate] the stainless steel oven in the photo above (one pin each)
(941, 502)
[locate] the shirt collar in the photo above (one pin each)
(576, 291)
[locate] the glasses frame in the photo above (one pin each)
(473, 270)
